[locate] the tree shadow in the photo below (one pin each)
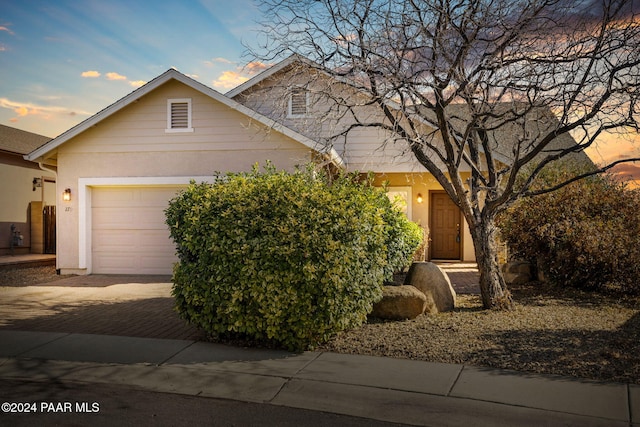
(540, 294)
(603, 355)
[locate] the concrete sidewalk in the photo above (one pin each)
(395, 390)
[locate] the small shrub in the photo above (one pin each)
(586, 234)
(288, 258)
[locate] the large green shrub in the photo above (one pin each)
(403, 237)
(586, 234)
(289, 258)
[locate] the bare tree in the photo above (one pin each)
(472, 72)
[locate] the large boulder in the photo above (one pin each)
(400, 302)
(434, 283)
(517, 272)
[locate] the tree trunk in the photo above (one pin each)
(493, 288)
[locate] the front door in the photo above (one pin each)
(445, 227)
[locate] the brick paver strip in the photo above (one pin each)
(119, 305)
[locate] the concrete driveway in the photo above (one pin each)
(136, 306)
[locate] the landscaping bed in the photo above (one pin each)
(25, 276)
(552, 331)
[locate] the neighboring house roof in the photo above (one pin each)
(171, 74)
(18, 141)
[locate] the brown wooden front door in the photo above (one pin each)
(445, 227)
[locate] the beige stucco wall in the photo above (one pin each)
(16, 192)
(424, 183)
(133, 143)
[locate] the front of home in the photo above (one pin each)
(117, 170)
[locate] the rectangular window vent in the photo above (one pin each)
(179, 115)
(298, 102)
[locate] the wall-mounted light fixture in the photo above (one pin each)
(66, 196)
(419, 198)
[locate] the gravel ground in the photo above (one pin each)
(24, 276)
(551, 331)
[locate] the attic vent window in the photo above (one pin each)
(298, 100)
(179, 115)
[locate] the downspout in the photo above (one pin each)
(41, 166)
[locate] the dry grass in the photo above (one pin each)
(551, 331)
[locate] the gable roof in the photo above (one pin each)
(172, 74)
(539, 119)
(268, 73)
(298, 59)
(18, 141)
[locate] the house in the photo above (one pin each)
(300, 95)
(330, 110)
(26, 189)
(117, 170)
(120, 167)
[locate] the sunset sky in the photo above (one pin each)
(62, 61)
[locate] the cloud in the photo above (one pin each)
(112, 76)
(627, 171)
(24, 109)
(232, 78)
(137, 83)
(253, 68)
(91, 74)
(3, 28)
(115, 76)
(219, 60)
(229, 80)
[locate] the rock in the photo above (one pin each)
(517, 272)
(400, 302)
(434, 283)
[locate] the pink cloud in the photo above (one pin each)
(255, 67)
(229, 80)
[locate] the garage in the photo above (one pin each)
(128, 232)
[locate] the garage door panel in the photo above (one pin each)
(129, 234)
(114, 264)
(156, 197)
(110, 240)
(105, 197)
(112, 218)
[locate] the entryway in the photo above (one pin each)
(445, 227)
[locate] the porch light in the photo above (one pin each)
(419, 198)
(66, 196)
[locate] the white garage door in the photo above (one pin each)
(129, 235)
